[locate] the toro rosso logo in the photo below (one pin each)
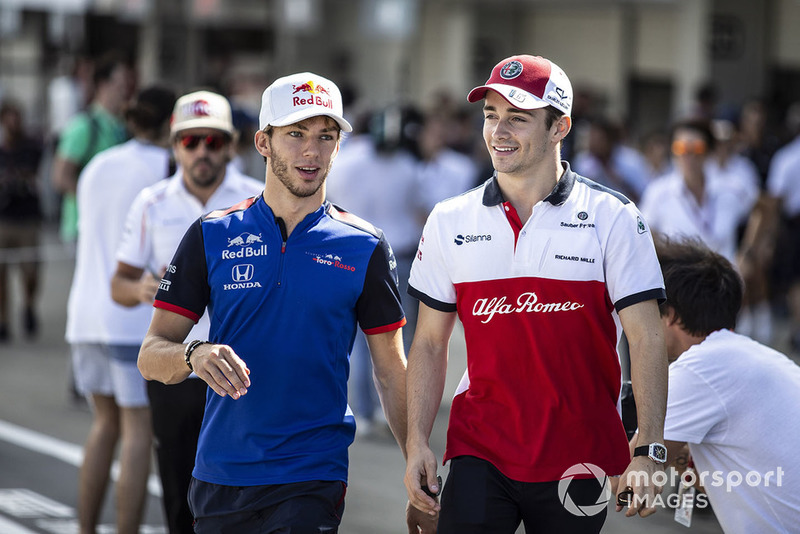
(317, 95)
(330, 260)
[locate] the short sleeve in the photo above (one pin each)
(693, 407)
(631, 266)
(74, 141)
(379, 309)
(184, 289)
(135, 244)
(430, 281)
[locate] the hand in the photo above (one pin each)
(148, 286)
(421, 469)
(419, 522)
(637, 480)
(221, 369)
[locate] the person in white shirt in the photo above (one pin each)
(691, 201)
(103, 336)
(784, 189)
(203, 142)
(735, 401)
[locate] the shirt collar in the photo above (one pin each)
(493, 196)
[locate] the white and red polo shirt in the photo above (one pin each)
(539, 306)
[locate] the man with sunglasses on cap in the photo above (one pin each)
(693, 200)
(203, 136)
(542, 266)
(287, 278)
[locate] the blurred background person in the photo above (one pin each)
(738, 173)
(203, 141)
(690, 201)
(783, 185)
(655, 151)
(104, 337)
(376, 177)
(442, 171)
(90, 132)
(20, 216)
(609, 162)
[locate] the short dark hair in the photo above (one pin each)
(551, 116)
(703, 288)
(106, 65)
(700, 126)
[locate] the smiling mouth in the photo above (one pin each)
(504, 149)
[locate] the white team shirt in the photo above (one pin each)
(106, 189)
(737, 403)
(539, 309)
(160, 216)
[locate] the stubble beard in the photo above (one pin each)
(281, 169)
(215, 174)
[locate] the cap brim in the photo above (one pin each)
(303, 114)
(515, 96)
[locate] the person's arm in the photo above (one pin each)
(131, 286)
(161, 357)
(642, 325)
(427, 366)
(389, 365)
(65, 175)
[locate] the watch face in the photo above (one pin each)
(658, 452)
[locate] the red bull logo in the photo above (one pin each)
(318, 95)
(198, 108)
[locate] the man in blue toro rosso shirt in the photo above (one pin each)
(287, 278)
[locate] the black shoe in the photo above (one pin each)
(3, 332)
(31, 323)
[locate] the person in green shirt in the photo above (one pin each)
(90, 132)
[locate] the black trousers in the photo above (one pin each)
(177, 416)
(478, 499)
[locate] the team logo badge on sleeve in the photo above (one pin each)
(640, 227)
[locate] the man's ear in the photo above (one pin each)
(261, 140)
(671, 317)
(563, 125)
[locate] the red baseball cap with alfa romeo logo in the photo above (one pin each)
(528, 82)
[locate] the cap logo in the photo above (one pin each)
(560, 92)
(198, 108)
(310, 87)
(517, 95)
(511, 70)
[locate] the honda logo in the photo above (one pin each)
(242, 272)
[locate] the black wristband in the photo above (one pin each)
(187, 354)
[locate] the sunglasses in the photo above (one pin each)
(212, 142)
(680, 148)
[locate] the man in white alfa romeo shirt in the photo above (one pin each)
(543, 267)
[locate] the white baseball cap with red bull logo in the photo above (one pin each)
(528, 82)
(297, 97)
(202, 109)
